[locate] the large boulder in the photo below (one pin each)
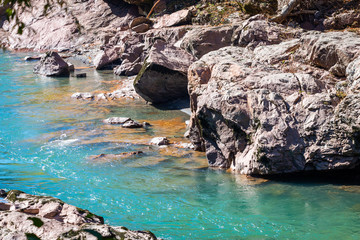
(52, 65)
(200, 41)
(257, 119)
(163, 76)
(25, 216)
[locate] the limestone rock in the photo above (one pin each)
(163, 75)
(52, 65)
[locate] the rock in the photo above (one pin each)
(81, 75)
(2, 193)
(108, 157)
(163, 75)
(175, 19)
(106, 57)
(160, 141)
(71, 67)
(332, 51)
(116, 120)
(353, 75)
(84, 96)
(200, 41)
(32, 58)
(141, 28)
(257, 30)
(128, 68)
(138, 21)
(52, 65)
(132, 124)
(250, 116)
(80, 29)
(39, 217)
(339, 21)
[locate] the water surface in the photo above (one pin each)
(46, 139)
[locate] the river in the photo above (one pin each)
(47, 140)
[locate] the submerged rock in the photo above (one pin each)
(163, 76)
(52, 65)
(108, 157)
(116, 120)
(39, 217)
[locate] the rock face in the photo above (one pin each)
(163, 74)
(85, 22)
(266, 115)
(52, 65)
(25, 216)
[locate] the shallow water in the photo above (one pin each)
(46, 140)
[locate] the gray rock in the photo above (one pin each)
(250, 116)
(52, 65)
(116, 120)
(83, 96)
(163, 75)
(39, 217)
(159, 141)
(132, 124)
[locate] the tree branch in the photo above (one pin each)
(286, 11)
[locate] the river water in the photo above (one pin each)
(46, 144)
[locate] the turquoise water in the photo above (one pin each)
(46, 140)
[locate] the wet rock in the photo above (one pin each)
(81, 75)
(103, 156)
(200, 41)
(52, 65)
(32, 58)
(116, 120)
(83, 96)
(132, 124)
(163, 75)
(71, 67)
(175, 19)
(2, 193)
(40, 217)
(160, 141)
